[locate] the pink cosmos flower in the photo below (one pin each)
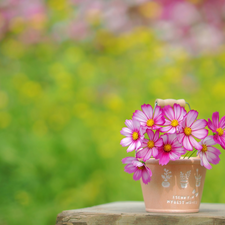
(170, 150)
(190, 129)
(138, 168)
(175, 116)
(134, 135)
(148, 119)
(208, 154)
(217, 127)
(150, 146)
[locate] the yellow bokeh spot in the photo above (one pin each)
(3, 99)
(63, 78)
(150, 10)
(196, 1)
(23, 198)
(17, 25)
(59, 118)
(5, 119)
(86, 71)
(40, 128)
(13, 48)
(173, 74)
(31, 89)
(18, 80)
(218, 90)
(58, 5)
(113, 102)
(38, 21)
(93, 16)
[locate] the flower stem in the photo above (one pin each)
(192, 153)
(186, 154)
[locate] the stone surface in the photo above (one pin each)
(128, 213)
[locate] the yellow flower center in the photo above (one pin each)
(220, 131)
(204, 148)
(174, 123)
(135, 135)
(187, 131)
(150, 122)
(141, 167)
(151, 144)
(167, 147)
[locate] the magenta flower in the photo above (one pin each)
(148, 119)
(150, 146)
(175, 117)
(217, 127)
(190, 129)
(209, 154)
(170, 150)
(138, 168)
(134, 134)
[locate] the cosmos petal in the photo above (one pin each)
(164, 159)
(128, 160)
(131, 147)
(191, 117)
(215, 119)
(209, 141)
(148, 111)
(186, 143)
(142, 153)
(154, 152)
(129, 124)
(199, 124)
(145, 176)
(200, 134)
(222, 122)
(126, 131)
(137, 174)
(126, 141)
(212, 158)
(205, 162)
(165, 129)
(169, 113)
(211, 125)
(139, 116)
(148, 155)
(130, 168)
(194, 143)
(150, 134)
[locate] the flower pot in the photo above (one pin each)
(176, 187)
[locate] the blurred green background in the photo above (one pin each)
(64, 101)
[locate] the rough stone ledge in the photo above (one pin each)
(129, 213)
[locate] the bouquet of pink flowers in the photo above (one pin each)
(167, 134)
